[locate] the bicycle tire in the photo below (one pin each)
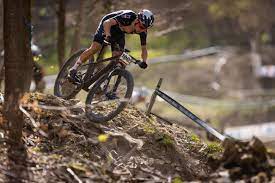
(98, 118)
(63, 73)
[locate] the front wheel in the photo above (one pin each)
(109, 96)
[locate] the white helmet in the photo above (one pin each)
(146, 17)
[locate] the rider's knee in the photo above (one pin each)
(94, 48)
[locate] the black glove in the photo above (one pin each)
(142, 65)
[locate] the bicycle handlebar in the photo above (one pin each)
(106, 43)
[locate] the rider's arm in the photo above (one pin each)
(144, 52)
(107, 24)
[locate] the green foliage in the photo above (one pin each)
(149, 127)
(215, 10)
(194, 138)
(42, 12)
(166, 139)
(265, 38)
(177, 180)
(133, 41)
(213, 147)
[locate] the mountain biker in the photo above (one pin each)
(112, 28)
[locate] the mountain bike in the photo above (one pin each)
(109, 88)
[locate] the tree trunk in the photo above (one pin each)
(1, 25)
(273, 35)
(61, 32)
(79, 27)
(28, 53)
(1, 43)
(15, 38)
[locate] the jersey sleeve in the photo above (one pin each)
(126, 18)
(143, 37)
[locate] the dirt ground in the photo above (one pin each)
(132, 147)
(62, 145)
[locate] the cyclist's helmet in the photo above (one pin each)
(146, 17)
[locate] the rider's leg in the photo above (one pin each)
(120, 44)
(116, 50)
(119, 39)
(89, 53)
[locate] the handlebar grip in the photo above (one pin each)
(138, 61)
(106, 42)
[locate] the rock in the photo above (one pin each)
(258, 149)
(248, 163)
(235, 173)
(223, 180)
(259, 178)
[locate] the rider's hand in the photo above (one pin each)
(142, 65)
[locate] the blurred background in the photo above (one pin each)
(216, 57)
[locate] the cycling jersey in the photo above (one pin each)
(123, 18)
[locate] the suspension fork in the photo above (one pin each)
(116, 84)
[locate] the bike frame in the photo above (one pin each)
(114, 61)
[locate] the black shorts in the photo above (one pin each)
(117, 36)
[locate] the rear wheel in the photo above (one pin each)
(109, 96)
(65, 88)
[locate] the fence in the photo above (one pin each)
(182, 109)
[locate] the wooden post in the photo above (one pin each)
(153, 98)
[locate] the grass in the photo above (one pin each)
(177, 180)
(213, 147)
(149, 126)
(166, 139)
(194, 138)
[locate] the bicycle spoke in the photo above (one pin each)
(108, 96)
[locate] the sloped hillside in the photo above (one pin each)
(62, 145)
